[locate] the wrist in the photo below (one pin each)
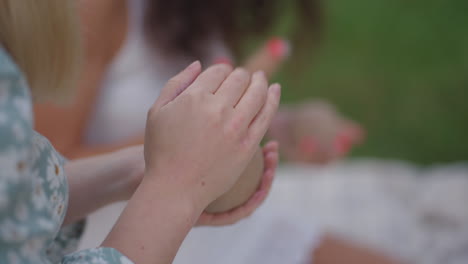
(174, 189)
(154, 223)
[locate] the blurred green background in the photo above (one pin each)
(400, 68)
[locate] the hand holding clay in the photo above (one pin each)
(270, 158)
(244, 188)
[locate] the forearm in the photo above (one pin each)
(98, 181)
(84, 150)
(154, 224)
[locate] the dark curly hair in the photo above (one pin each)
(184, 26)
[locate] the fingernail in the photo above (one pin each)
(194, 64)
(222, 60)
(279, 48)
(276, 88)
(259, 74)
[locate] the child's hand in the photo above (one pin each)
(268, 58)
(198, 143)
(314, 132)
(270, 153)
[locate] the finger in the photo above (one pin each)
(271, 161)
(270, 146)
(354, 131)
(269, 57)
(267, 180)
(234, 86)
(254, 97)
(260, 124)
(211, 79)
(223, 60)
(179, 83)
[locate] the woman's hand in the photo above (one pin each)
(208, 133)
(270, 153)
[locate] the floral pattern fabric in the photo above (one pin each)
(33, 187)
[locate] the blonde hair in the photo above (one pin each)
(42, 37)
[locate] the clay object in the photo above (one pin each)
(244, 188)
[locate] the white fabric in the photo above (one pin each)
(416, 214)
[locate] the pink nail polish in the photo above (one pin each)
(342, 144)
(279, 48)
(222, 60)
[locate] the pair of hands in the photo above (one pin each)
(202, 132)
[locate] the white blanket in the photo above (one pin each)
(417, 214)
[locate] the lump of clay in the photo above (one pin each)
(244, 188)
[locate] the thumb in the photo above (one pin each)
(178, 84)
(269, 57)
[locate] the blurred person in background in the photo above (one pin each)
(133, 47)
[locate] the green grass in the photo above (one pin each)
(400, 68)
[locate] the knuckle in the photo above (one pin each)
(248, 144)
(225, 111)
(236, 125)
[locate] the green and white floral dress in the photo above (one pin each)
(33, 186)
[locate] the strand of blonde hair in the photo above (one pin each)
(42, 37)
